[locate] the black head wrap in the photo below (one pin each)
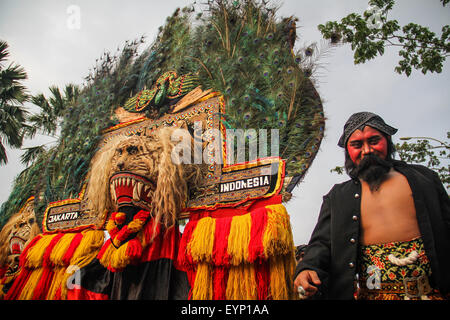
(361, 119)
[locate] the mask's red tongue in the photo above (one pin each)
(15, 248)
(127, 186)
(124, 194)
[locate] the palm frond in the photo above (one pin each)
(32, 153)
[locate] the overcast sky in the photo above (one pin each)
(55, 53)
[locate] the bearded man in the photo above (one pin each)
(385, 233)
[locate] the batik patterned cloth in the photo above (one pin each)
(395, 271)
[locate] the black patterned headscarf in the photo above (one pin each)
(361, 119)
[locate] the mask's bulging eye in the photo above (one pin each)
(132, 150)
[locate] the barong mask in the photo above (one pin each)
(133, 173)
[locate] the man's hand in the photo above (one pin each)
(309, 280)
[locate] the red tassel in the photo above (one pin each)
(255, 246)
(119, 217)
(184, 258)
(46, 263)
(72, 247)
(58, 294)
(16, 289)
(134, 249)
(103, 249)
(122, 235)
(148, 230)
(113, 232)
(141, 215)
(220, 252)
(41, 290)
(262, 271)
(23, 255)
(220, 279)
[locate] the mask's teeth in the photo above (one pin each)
(128, 181)
(113, 192)
(147, 191)
(135, 193)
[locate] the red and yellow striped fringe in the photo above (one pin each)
(48, 261)
(115, 255)
(240, 255)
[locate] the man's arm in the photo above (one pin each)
(313, 270)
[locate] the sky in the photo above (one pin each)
(55, 48)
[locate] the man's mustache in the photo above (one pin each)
(373, 170)
(371, 159)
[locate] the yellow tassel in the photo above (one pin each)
(233, 284)
(280, 250)
(110, 225)
(202, 241)
(115, 257)
(135, 225)
(107, 255)
(28, 289)
(281, 277)
(241, 283)
(239, 239)
(88, 248)
(36, 253)
(57, 282)
(250, 290)
(290, 264)
(277, 239)
(57, 254)
(277, 279)
(119, 258)
(202, 289)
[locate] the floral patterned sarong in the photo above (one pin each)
(395, 271)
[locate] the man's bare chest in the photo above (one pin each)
(388, 214)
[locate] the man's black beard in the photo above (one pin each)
(373, 170)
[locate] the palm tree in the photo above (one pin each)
(12, 96)
(48, 120)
